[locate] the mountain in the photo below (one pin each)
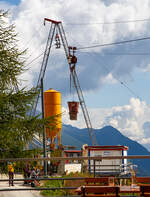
(107, 136)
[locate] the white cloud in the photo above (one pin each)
(131, 119)
(108, 79)
(29, 15)
(146, 68)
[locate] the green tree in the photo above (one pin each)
(16, 127)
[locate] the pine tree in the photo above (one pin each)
(16, 127)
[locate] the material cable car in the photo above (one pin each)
(73, 109)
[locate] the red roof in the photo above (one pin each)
(119, 147)
(72, 151)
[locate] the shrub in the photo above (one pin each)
(63, 183)
(51, 184)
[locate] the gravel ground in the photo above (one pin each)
(17, 184)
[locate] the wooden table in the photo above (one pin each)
(130, 189)
(86, 191)
(123, 189)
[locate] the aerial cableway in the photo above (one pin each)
(57, 32)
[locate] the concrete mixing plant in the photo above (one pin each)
(51, 99)
(52, 109)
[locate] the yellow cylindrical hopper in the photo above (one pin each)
(52, 107)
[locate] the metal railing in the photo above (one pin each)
(77, 158)
(67, 178)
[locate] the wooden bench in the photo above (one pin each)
(142, 180)
(100, 191)
(145, 190)
(97, 181)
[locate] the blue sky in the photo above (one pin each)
(13, 2)
(117, 94)
(109, 95)
(115, 87)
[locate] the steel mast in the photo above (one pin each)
(56, 26)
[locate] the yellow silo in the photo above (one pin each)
(52, 107)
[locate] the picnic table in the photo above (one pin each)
(115, 190)
(108, 185)
(130, 189)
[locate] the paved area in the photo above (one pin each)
(17, 184)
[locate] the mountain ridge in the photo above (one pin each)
(108, 135)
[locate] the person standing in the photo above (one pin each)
(27, 172)
(11, 174)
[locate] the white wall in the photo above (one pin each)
(75, 167)
(107, 162)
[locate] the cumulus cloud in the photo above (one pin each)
(130, 119)
(89, 24)
(94, 28)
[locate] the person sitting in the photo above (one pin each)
(34, 176)
(37, 170)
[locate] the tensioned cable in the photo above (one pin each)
(115, 54)
(130, 90)
(125, 85)
(30, 40)
(35, 59)
(107, 23)
(124, 54)
(114, 43)
(121, 82)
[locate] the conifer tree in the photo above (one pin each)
(16, 127)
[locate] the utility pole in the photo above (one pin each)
(44, 134)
